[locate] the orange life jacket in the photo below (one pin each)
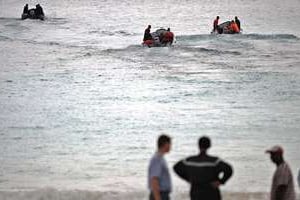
(234, 27)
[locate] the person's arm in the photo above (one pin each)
(180, 170)
(155, 188)
(280, 191)
(227, 171)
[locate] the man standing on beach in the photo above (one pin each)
(159, 180)
(283, 183)
(203, 173)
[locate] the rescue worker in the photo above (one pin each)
(203, 173)
(216, 23)
(25, 10)
(168, 37)
(237, 21)
(147, 34)
(234, 27)
(39, 10)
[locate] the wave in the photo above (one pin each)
(252, 36)
(54, 194)
(176, 48)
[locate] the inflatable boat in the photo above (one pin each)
(160, 38)
(224, 28)
(32, 15)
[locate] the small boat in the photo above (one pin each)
(224, 28)
(160, 38)
(32, 15)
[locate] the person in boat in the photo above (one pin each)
(39, 10)
(25, 10)
(147, 33)
(216, 23)
(237, 21)
(168, 37)
(233, 27)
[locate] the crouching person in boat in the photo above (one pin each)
(233, 27)
(168, 37)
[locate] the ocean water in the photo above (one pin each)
(82, 103)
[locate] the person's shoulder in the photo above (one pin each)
(156, 158)
(213, 158)
(192, 158)
(284, 166)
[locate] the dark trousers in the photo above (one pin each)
(206, 194)
(163, 196)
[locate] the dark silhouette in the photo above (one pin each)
(25, 10)
(203, 173)
(39, 10)
(283, 183)
(147, 34)
(216, 23)
(237, 21)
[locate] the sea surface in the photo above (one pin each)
(82, 102)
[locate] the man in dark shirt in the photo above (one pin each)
(203, 173)
(147, 34)
(237, 21)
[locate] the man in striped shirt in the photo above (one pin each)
(283, 183)
(203, 173)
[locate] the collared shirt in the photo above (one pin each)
(158, 168)
(283, 177)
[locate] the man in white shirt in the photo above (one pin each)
(283, 183)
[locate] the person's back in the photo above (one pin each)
(202, 172)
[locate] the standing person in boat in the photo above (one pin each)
(237, 21)
(147, 33)
(216, 23)
(205, 173)
(25, 10)
(159, 179)
(283, 182)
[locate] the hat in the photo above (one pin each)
(275, 149)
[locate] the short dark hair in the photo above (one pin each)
(204, 142)
(162, 140)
